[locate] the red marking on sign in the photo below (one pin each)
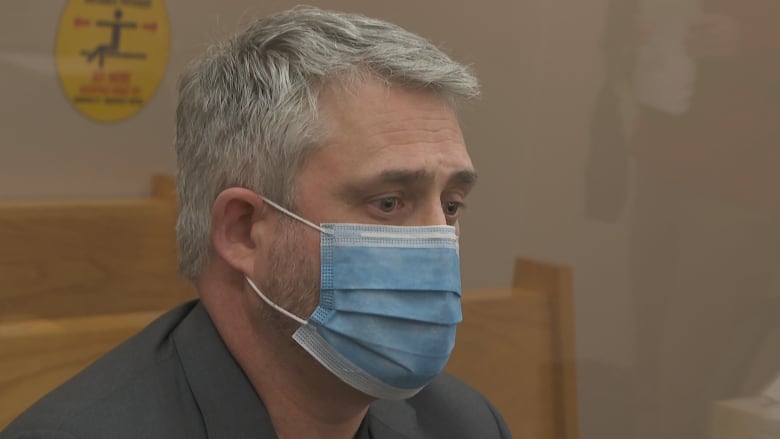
(150, 26)
(93, 90)
(81, 21)
(119, 77)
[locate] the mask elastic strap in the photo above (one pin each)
(292, 215)
(273, 305)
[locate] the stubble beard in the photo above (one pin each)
(294, 283)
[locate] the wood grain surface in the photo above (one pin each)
(77, 277)
(516, 346)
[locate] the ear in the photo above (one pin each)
(235, 213)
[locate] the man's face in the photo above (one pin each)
(393, 156)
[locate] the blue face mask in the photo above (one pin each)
(389, 304)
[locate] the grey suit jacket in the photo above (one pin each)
(176, 379)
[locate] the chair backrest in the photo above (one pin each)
(516, 345)
(76, 278)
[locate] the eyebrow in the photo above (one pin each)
(465, 178)
(409, 177)
(404, 176)
(401, 176)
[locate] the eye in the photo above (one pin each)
(452, 208)
(387, 204)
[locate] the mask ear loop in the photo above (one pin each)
(273, 305)
(292, 215)
(252, 284)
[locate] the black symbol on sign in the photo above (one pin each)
(111, 50)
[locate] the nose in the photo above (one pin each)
(431, 214)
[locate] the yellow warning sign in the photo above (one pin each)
(111, 55)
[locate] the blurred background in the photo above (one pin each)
(636, 141)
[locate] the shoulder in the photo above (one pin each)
(111, 397)
(446, 408)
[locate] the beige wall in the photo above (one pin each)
(540, 66)
(49, 150)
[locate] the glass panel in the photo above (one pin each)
(685, 146)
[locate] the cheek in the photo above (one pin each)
(294, 273)
(312, 248)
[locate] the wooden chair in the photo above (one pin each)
(77, 278)
(516, 346)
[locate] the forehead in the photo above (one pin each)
(373, 126)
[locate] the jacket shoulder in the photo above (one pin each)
(446, 408)
(120, 395)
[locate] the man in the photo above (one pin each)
(322, 173)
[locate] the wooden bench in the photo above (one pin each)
(79, 277)
(516, 345)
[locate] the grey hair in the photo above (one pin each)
(248, 109)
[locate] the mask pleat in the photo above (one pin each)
(399, 368)
(418, 338)
(421, 306)
(377, 268)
